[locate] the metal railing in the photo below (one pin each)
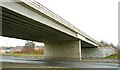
(98, 59)
(59, 19)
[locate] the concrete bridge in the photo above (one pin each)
(29, 20)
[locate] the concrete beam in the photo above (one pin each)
(86, 40)
(63, 50)
(27, 10)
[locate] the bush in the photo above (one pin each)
(30, 51)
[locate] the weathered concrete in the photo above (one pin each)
(97, 52)
(66, 50)
(30, 20)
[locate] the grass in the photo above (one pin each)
(18, 54)
(113, 56)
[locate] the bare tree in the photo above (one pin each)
(29, 44)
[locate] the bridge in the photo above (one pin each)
(29, 20)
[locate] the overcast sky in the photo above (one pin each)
(97, 18)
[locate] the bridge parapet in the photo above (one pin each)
(54, 16)
(51, 14)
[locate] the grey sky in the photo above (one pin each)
(97, 18)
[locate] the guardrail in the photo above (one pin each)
(113, 60)
(59, 19)
(32, 57)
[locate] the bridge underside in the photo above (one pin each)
(21, 27)
(58, 45)
(18, 26)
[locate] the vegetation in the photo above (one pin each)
(112, 56)
(29, 49)
(105, 44)
(16, 54)
(29, 45)
(116, 55)
(117, 50)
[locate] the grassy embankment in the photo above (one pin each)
(113, 56)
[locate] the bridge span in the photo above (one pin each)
(29, 20)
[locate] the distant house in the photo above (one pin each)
(17, 49)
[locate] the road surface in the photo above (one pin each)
(9, 62)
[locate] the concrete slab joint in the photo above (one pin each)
(63, 50)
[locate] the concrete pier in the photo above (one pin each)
(66, 50)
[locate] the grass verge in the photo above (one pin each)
(16, 54)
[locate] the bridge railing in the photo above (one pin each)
(59, 19)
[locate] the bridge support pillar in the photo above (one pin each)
(63, 50)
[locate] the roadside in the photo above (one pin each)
(105, 60)
(113, 58)
(23, 65)
(28, 56)
(109, 59)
